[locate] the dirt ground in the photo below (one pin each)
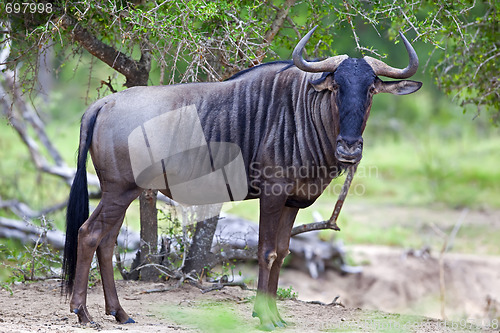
(390, 282)
(396, 281)
(38, 307)
(396, 292)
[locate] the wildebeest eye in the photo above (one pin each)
(335, 86)
(372, 90)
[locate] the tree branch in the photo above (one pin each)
(314, 226)
(21, 114)
(24, 211)
(136, 72)
(27, 232)
(277, 24)
(278, 21)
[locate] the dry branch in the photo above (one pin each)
(281, 16)
(219, 286)
(24, 211)
(29, 233)
(332, 222)
(22, 116)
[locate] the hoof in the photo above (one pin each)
(83, 316)
(269, 327)
(121, 316)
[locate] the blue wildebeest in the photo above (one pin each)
(286, 128)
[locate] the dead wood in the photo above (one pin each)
(22, 116)
(30, 233)
(332, 222)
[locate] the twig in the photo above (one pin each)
(333, 303)
(332, 222)
(162, 290)
(442, 285)
(219, 286)
(458, 27)
(481, 64)
(107, 83)
(453, 234)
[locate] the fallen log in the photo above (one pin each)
(27, 232)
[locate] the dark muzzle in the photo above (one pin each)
(349, 150)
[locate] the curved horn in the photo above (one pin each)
(381, 68)
(327, 65)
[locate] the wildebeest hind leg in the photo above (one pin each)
(105, 217)
(105, 257)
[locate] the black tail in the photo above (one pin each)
(78, 207)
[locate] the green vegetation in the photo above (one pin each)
(206, 317)
(287, 293)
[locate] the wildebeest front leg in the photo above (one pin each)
(271, 208)
(283, 242)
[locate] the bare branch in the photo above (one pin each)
(219, 286)
(278, 21)
(28, 232)
(324, 225)
(21, 114)
(24, 211)
(277, 24)
(332, 222)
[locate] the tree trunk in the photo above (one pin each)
(199, 254)
(149, 234)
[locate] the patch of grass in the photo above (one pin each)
(456, 173)
(394, 235)
(206, 317)
(477, 239)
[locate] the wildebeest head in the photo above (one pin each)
(353, 82)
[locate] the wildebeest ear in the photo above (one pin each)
(403, 87)
(323, 83)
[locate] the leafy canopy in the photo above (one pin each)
(193, 40)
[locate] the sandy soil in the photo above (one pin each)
(38, 307)
(389, 282)
(395, 281)
(396, 292)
